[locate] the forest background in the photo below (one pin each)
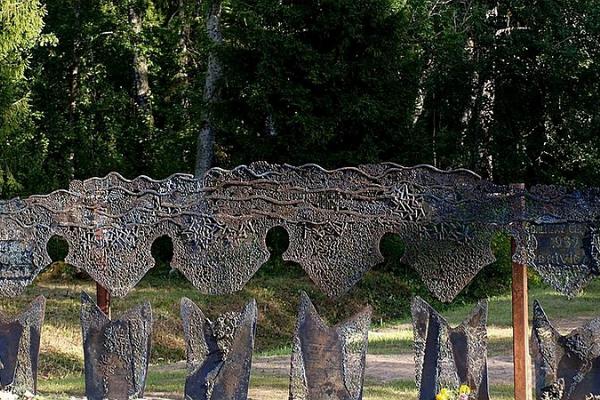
(508, 89)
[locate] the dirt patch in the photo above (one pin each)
(386, 368)
(566, 325)
(380, 368)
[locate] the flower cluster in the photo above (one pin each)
(463, 393)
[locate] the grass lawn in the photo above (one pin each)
(170, 385)
(61, 358)
(393, 337)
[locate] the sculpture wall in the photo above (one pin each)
(335, 220)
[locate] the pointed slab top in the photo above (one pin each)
(569, 362)
(328, 361)
(20, 336)
(446, 356)
(219, 352)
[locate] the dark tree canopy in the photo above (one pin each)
(509, 89)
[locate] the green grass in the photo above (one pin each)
(276, 294)
(170, 385)
(393, 337)
(396, 336)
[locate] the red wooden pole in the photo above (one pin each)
(520, 320)
(103, 299)
(102, 295)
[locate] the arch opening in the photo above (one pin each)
(162, 252)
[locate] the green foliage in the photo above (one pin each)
(85, 94)
(333, 77)
(21, 22)
(508, 89)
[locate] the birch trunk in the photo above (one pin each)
(74, 70)
(486, 121)
(468, 112)
(550, 131)
(140, 71)
(183, 76)
(422, 92)
(206, 136)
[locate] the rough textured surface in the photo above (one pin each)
(335, 220)
(563, 254)
(328, 362)
(566, 367)
(559, 236)
(219, 353)
(447, 357)
(555, 391)
(116, 353)
(20, 347)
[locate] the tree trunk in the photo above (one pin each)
(468, 112)
(183, 62)
(270, 128)
(184, 56)
(486, 121)
(550, 129)
(422, 91)
(140, 70)
(75, 62)
(206, 137)
(478, 119)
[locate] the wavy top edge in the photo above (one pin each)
(248, 168)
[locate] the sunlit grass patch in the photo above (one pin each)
(171, 385)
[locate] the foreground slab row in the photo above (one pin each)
(328, 362)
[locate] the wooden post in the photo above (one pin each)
(103, 299)
(520, 321)
(102, 295)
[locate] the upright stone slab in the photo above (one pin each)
(20, 347)
(116, 352)
(447, 357)
(219, 353)
(328, 363)
(566, 367)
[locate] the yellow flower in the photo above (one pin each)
(444, 394)
(464, 389)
